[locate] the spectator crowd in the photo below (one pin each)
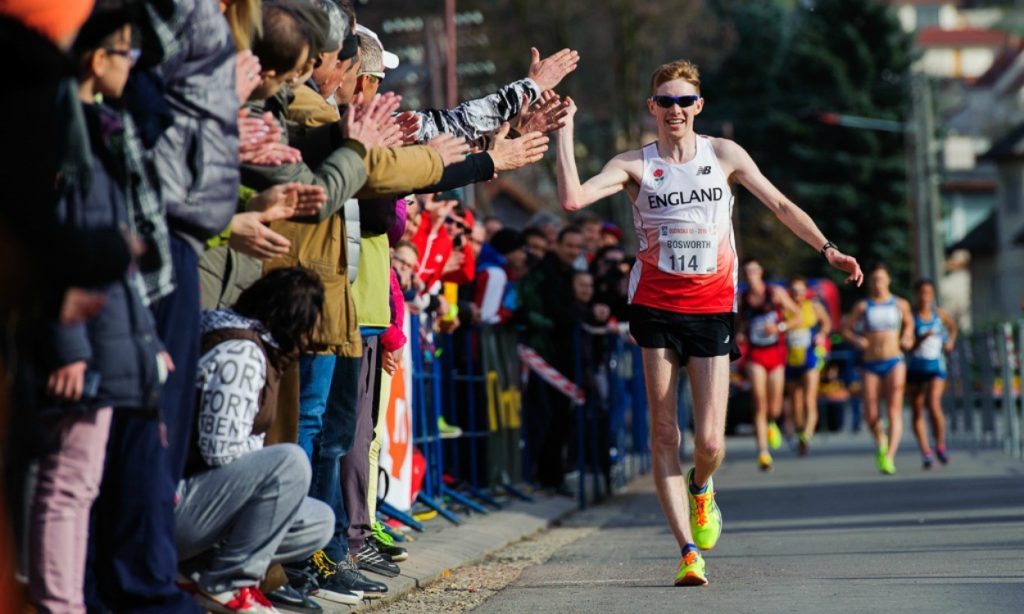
(215, 220)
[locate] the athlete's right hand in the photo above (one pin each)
(570, 111)
(846, 263)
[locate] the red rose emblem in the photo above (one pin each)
(658, 173)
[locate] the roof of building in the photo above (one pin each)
(962, 37)
(969, 185)
(980, 240)
(1003, 61)
(1009, 147)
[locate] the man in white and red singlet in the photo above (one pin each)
(682, 290)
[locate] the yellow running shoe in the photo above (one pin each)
(705, 517)
(691, 570)
(764, 461)
(774, 436)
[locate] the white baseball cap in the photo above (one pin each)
(389, 59)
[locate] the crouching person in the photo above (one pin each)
(244, 506)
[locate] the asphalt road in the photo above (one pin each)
(822, 534)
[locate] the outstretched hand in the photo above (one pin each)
(288, 200)
(251, 236)
(546, 115)
(550, 71)
(510, 154)
(452, 149)
(848, 264)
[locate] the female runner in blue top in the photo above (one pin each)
(886, 330)
(934, 337)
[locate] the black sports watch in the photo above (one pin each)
(826, 247)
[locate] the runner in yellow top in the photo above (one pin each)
(805, 342)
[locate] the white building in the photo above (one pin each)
(956, 42)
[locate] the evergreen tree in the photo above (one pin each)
(851, 57)
(838, 56)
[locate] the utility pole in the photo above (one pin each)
(926, 205)
(451, 85)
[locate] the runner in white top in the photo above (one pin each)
(683, 287)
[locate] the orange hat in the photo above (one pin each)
(57, 20)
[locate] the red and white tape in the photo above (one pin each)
(550, 374)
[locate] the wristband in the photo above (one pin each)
(826, 247)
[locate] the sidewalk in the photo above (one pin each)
(444, 546)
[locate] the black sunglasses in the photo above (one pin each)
(666, 102)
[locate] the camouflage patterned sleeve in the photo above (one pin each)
(476, 119)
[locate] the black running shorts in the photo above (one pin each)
(699, 335)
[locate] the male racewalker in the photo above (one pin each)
(683, 286)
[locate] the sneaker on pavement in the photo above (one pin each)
(887, 467)
(331, 586)
(705, 517)
(290, 599)
(691, 571)
(774, 436)
(926, 461)
(764, 461)
(349, 575)
(386, 544)
(940, 453)
(880, 457)
(301, 579)
(803, 444)
(248, 600)
(370, 559)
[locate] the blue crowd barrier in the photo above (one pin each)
(471, 378)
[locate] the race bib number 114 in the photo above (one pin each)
(688, 249)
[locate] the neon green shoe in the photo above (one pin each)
(448, 431)
(691, 570)
(887, 466)
(880, 456)
(705, 517)
(774, 436)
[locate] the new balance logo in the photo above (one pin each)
(727, 337)
(703, 170)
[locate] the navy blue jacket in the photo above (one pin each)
(120, 343)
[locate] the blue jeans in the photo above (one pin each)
(329, 389)
(315, 374)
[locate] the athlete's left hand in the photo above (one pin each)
(846, 263)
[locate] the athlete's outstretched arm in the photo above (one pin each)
(745, 171)
(571, 194)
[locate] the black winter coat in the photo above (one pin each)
(120, 343)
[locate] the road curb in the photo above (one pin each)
(444, 546)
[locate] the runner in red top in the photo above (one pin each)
(763, 326)
(683, 286)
